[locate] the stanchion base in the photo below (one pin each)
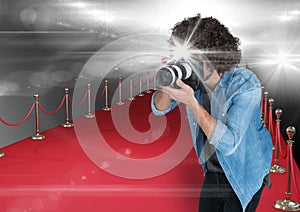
(148, 91)
(131, 98)
(67, 124)
(38, 137)
(120, 103)
(140, 94)
(277, 169)
(106, 108)
(2, 154)
(89, 115)
(287, 205)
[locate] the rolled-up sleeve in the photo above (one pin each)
(162, 112)
(229, 132)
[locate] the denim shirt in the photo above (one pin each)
(243, 145)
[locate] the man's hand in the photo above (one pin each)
(185, 94)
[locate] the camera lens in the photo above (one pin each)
(174, 70)
(165, 76)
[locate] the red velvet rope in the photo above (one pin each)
(126, 88)
(20, 122)
(144, 82)
(82, 101)
(270, 123)
(151, 80)
(56, 110)
(99, 97)
(293, 173)
(279, 140)
(109, 91)
(134, 85)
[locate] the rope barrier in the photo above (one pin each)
(152, 79)
(120, 102)
(126, 88)
(265, 120)
(148, 83)
(279, 139)
(270, 125)
(67, 99)
(131, 96)
(82, 101)
(56, 110)
(110, 92)
(294, 174)
(276, 168)
(134, 85)
(140, 87)
(99, 97)
(20, 122)
(144, 82)
(67, 123)
(106, 108)
(287, 204)
(89, 114)
(262, 103)
(37, 135)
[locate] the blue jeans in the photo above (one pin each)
(218, 196)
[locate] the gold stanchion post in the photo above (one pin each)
(262, 103)
(120, 102)
(270, 124)
(106, 108)
(130, 88)
(148, 83)
(265, 120)
(67, 123)
(288, 204)
(89, 114)
(276, 168)
(37, 135)
(140, 80)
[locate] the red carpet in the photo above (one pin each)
(71, 171)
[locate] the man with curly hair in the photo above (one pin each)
(233, 146)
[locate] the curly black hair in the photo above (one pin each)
(209, 35)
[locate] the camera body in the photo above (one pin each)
(177, 69)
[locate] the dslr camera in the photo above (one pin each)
(178, 69)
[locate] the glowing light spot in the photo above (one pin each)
(79, 4)
(285, 18)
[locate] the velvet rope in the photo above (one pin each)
(20, 122)
(80, 103)
(110, 92)
(134, 85)
(126, 88)
(280, 140)
(151, 80)
(56, 110)
(271, 121)
(144, 82)
(99, 97)
(293, 173)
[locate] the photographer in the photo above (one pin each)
(233, 147)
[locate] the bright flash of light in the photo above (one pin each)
(295, 12)
(100, 15)
(180, 51)
(79, 4)
(282, 60)
(108, 17)
(285, 18)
